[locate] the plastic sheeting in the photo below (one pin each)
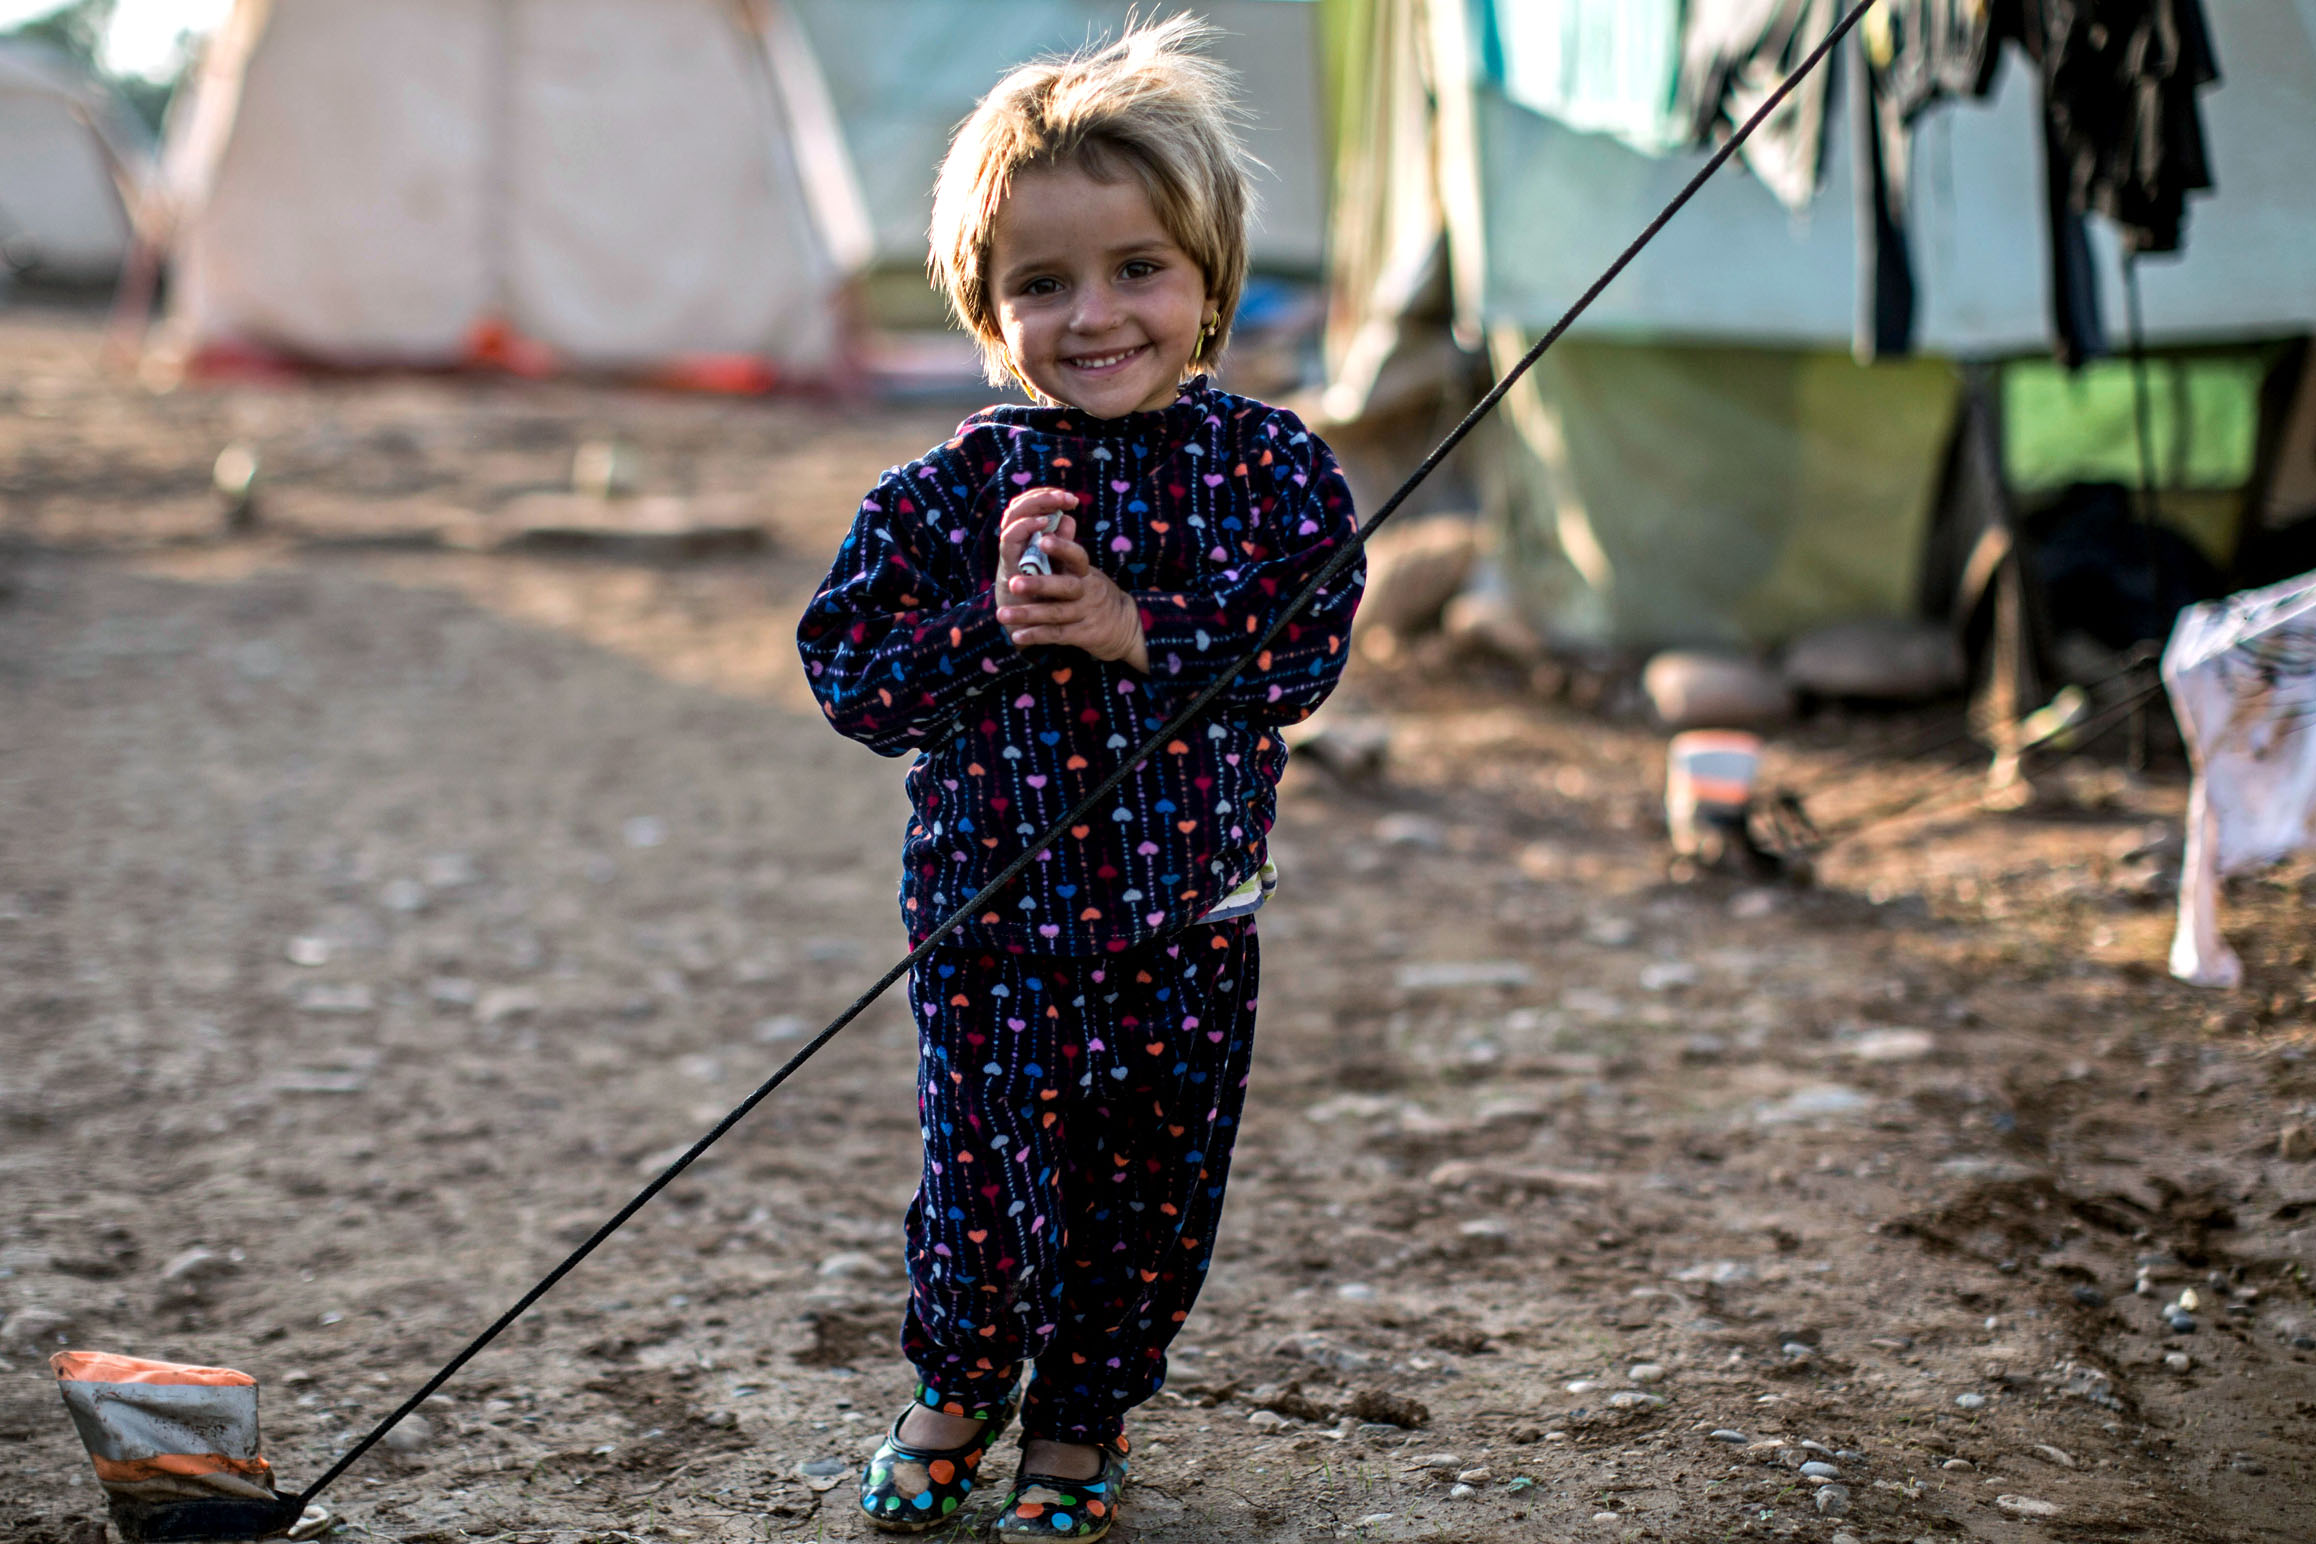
(2242, 678)
(1701, 495)
(1602, 66)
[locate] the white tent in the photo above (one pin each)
(609, 184)
(61, 216)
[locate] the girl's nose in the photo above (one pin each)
(1096, 310)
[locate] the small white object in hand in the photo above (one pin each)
(1033, 558)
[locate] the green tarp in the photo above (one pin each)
(1715, 495)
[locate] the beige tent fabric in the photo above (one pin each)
(61, 215)
(345, 213)
(618, 181)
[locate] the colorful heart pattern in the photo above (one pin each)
(1213, 512)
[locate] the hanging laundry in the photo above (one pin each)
(1733, 55)
(2119, 85)
(2122, 134)
(1910, 55)
(2242, 678)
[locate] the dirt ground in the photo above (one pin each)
(381, 900)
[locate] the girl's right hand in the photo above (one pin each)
(1024, 520)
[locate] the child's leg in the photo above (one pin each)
(986, 1226)
(1148, 1153)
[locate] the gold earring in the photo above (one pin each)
(1206, 332)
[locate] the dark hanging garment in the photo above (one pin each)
(1908, 54)
(2122, 134)
(2119, 84)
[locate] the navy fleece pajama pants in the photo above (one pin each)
(1078, 1116)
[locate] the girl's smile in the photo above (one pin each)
(1099, 307)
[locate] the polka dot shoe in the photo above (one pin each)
(1044, 1508)
(907, 1489)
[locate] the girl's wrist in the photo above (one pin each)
(1137, 653)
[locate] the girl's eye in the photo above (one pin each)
(1139, 268)
(1041, 286)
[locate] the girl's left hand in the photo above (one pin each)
(1076, 604)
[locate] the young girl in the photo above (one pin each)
(1021, 607)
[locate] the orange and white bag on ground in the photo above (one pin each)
(176, 1447)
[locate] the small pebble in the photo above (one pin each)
(2189, 1302)
(1606, 1517)
(1809, 1445)
(2304, 1342)
(1843, 1538)
(1958, 1465)
(312, 1523)
(1582, 1386)
(1480, 1476)
(2052, 1455)
(2178, 1361)
(195, 1265)
(1461, 1493)
(1634, 1399)
(1647, 1372)
(1833, 1500)
(1266, 1420)
(1819, 1469)
(36, 1326)
(2090, 1296)
(1797, 1349)
(2026, 1506)
(2181, 1323)
(411, 1436)
(1971, 1401)
(1727, 1435)
(404, 895)
(1556, 1436)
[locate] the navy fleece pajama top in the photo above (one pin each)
(1212, 512)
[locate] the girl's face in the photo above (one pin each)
(1098, 307)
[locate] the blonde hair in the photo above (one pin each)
(1145, 106)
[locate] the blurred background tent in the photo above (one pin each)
(904, 73)
(67, 152)
(656, 186)
(1703, 462)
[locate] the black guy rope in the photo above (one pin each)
(1189, 714)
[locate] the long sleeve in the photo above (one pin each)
(901, 633)
(1295, 516)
